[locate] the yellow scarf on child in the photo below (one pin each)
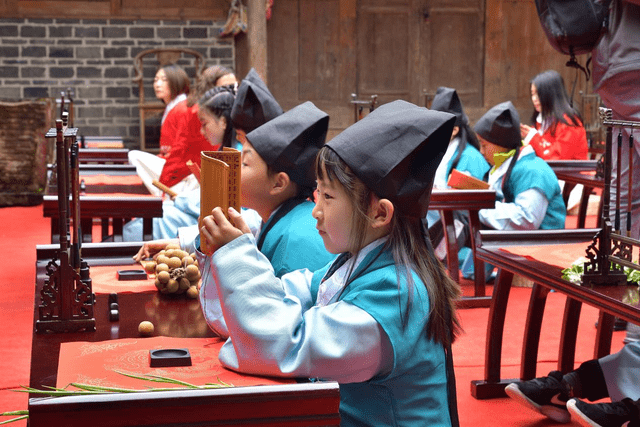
(500, 158)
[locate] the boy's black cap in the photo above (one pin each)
(500, 126)
(290, 142)
(254, 104)
(447, 100)
(395, 150)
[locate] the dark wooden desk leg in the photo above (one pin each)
(87, 229)
(532, 327)
(569, 335)
(478, 264)
(604, 334)
(452, 244)
(147, 229)
(55, 230)
(104, 226)
(584, 206)
(492, 386)
(117, 224)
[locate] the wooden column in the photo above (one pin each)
(257, 36)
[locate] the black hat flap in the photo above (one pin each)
(254, 104)
(290, 142)
(447, 100)
(500, 126)
(395, 150)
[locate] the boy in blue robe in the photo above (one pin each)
(528, 195)
(277, 181)
(527, 190)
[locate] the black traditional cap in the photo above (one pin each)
(500, 126)
(290, 142)
(447, 100)
(254, 104)
(395, 150)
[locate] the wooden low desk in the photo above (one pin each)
(582, 172)
(546, 277)
(103, 155)
(116, 210)
(448, 201)
(308, 404)
(113, 203)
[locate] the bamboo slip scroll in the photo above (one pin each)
(219, 184)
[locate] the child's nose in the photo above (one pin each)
(315, 213)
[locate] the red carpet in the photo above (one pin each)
(21, 228)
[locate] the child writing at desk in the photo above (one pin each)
(528, 193)
(379, 318)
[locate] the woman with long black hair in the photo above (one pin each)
(557, 132)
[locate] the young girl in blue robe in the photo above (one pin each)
(463, 154)
(377, 319)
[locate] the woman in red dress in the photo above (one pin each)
(557, 132)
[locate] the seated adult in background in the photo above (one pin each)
(189, 141)
(463, 155)
(171, 86)
(527, 190)
(557, 132)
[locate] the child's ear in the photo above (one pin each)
(381, 213)
(280, 183)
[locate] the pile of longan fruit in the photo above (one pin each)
(176, 271)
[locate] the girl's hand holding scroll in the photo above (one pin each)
(218, 230)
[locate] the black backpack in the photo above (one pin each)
(574, 27)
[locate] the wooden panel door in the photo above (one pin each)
(326, 50)
(311, 56)
(455, 42)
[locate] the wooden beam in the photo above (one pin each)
(257, 36)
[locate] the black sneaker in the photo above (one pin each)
(546, 395)
(614, 414)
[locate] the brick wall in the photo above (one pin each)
(39, 58)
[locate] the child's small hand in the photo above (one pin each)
(524, 130)
(218, 231)
(151, 248)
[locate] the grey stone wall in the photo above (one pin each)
(40, 58)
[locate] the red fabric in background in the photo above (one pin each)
(96, 363)
(104, 280)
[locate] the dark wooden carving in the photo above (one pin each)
(66, 298)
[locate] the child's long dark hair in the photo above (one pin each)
(408, 243)
(219, 101)
(467, 136)
(555, 106)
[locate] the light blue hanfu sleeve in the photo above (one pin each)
(275, 330)
(526, 213)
